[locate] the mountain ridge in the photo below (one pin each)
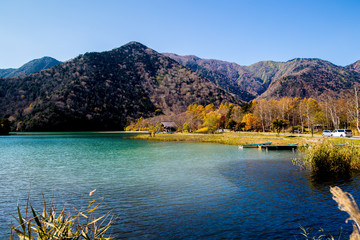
(354, 67)
(270, 79)
(35, 65)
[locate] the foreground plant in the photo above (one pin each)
(49, 224)
(319, 235)
(347, 204)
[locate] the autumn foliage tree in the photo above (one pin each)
(252, 123)
(194, 115)
(212, 121)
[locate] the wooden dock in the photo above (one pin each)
(292, 147)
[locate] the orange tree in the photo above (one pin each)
(252, 123)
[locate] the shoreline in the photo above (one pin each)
(240, 138)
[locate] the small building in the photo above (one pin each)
(223, 130)
(169, 126)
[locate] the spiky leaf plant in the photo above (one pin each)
(50, 224)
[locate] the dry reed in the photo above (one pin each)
(347, 204)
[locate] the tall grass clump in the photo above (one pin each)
(64, 224)
(326, 160)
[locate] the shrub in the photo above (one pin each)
(186, 128)
(130, 127)
(327, 160)
(203, 130)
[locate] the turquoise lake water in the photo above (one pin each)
(169, 190)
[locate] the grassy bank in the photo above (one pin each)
(241, 138)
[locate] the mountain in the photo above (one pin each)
(311, 78)
(223, 74)
(354, 67)
(300, 77)
(104, 91)
(33, 66)
(6, 72)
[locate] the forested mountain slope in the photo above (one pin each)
(300, 77)
(104, 91)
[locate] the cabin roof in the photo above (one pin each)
(168, 124)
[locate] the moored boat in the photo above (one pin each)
(342, 144)
(254, 145)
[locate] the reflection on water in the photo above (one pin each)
(170, 190)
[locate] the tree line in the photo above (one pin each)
(291, 114)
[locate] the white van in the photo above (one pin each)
(342, 133)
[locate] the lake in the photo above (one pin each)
(169, 190)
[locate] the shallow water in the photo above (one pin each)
(167, 190)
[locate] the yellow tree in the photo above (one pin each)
(140, 124)
(209, 108)
(194, 115)
(212, 121)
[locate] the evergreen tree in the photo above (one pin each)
(4, 126)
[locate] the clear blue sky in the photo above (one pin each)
(241, 31)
